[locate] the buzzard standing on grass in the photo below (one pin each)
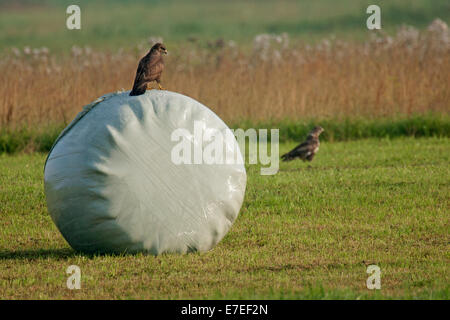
(305, 150)
(150, 69)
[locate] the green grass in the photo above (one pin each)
(114, 24)
(425, 125)
(307, 232)
(31, 138)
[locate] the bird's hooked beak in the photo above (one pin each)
(165, 51)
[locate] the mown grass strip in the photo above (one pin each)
(308, 232)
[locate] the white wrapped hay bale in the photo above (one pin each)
(112, 186)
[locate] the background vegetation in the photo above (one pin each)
(124, 23)
(395, 79)
(378, 191)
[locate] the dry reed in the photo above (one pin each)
(383, 77)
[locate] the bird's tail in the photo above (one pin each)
(286, 157)
(138, 90)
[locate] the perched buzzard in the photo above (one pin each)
(305, 150)
(150, 69)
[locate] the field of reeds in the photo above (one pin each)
(385, 77)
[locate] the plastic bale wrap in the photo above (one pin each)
(111, 185)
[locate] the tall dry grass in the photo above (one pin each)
(386, 76)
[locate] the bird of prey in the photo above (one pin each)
(305, 150)
(150, 69)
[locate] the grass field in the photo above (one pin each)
(307, 232)
(114, 24)
(377, 193)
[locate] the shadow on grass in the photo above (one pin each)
(61, 254)
(58, 254)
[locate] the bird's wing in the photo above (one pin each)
(154, 69)
(299, 151)
(140, 74)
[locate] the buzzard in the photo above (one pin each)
(305, 150)
(150, 69)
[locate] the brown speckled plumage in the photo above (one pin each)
(150, 69)
(305, 150)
